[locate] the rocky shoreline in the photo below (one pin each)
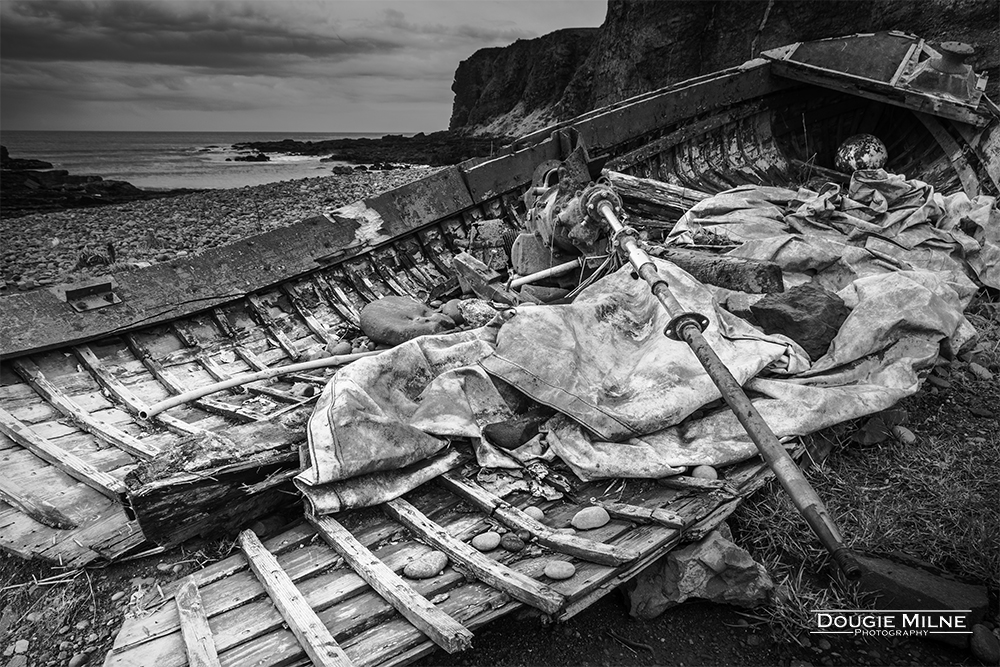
(42, 249)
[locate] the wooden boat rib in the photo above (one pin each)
(74, 379)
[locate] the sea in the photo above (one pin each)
(168, 160)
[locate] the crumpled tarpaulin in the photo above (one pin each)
(631, 402)
(881, 222)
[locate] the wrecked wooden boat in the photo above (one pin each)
(87, 477)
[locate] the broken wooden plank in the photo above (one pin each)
(640, 514)
(650, 198)
(104, 377)
(194, 626)
(259, 314)
(305, 314)
(36, 508)
(441, 628)
(485, 569)
(69, 463)
(514, 518)
(955, 153)
(312, 635)
(64, 404)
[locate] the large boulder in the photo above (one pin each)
(808, 314)
(714, 569)
(392, 320)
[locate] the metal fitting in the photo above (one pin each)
(676, 325)
(597, 194)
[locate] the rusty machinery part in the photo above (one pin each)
(599, 200)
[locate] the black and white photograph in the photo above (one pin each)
(499, 333)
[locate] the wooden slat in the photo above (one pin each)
(441, 628)
(966, 174)
(303, 312)
(259, 313)
(173, 385)
(64, 404)
(28, 503)
(194, 626)
(641, 514)
(104, 377)
(313, 636)
(69, 463)
(485, 569)
(514, 518)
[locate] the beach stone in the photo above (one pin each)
(82, 625)
(313, 354)
(566, 531)
(18, 661)
(590, 517)
(535, 513)
(980, 411)
(705, 472)
(985, 645)
(33, 617)
(808, 314)
(525, 535)
(392, 320)
(511, 542)
(78, 660)
(981, 371)
(427, 566)
(21, 646)
(486, 541)
(338, 347)
(477, 312)
(453, 309)
(713, 569)
(938, 382)
(559, 569)
(163, 567)
(904, 435)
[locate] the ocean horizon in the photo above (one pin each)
(168, 160)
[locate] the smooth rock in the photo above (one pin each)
(486, 541)
(18, 661)
(808, 314)
(985, 645)
(453, 309)
(566, 531)
(163, 567)
(82, 625)
(980, 412)
(392, 320)
(519, 429)
(824, 645)
(904, 435)
(981, 371)
(590, 517)
(511, 542)
(535, 513)
(559, 569)
(427, 566)
(338, 347)
(705, 472)
(33, 617)
(21, 646)
(938, 382)
(313, 354)
(91, 638)
(78, 659)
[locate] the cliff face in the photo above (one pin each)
(647, 44)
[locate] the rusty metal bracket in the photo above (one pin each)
(84, 297)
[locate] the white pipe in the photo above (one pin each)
(195, 394)
(556, 270)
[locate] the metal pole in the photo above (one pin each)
(688, 327)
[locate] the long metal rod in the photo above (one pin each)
(803, 496)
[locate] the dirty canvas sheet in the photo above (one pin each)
(881, 222)
(631, 402)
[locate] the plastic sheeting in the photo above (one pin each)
(633, 403)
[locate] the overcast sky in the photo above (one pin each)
(253, 65)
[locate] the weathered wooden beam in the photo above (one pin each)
(104, 377)
(36, 508)
(110, 434)
(735, 273)
(314, 325)
(650, 198)
(194, 626)
(71, 464)
(512, 517)
(313, 636)
(640, 514)
(441, 628)
(260, 315)
(485, 569)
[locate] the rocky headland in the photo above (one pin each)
(647, 44)
(434, 149)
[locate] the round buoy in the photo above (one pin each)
(862, 151)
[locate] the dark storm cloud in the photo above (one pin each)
(225, 36)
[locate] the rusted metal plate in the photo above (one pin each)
(503, 174)
(433, 197)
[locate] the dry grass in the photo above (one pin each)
(934, 501)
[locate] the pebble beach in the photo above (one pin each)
(70, 246)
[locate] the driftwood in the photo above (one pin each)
(651, 202)
(735, 273)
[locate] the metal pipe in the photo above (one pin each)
(195, 394)
(687, 327)
(557, 270)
